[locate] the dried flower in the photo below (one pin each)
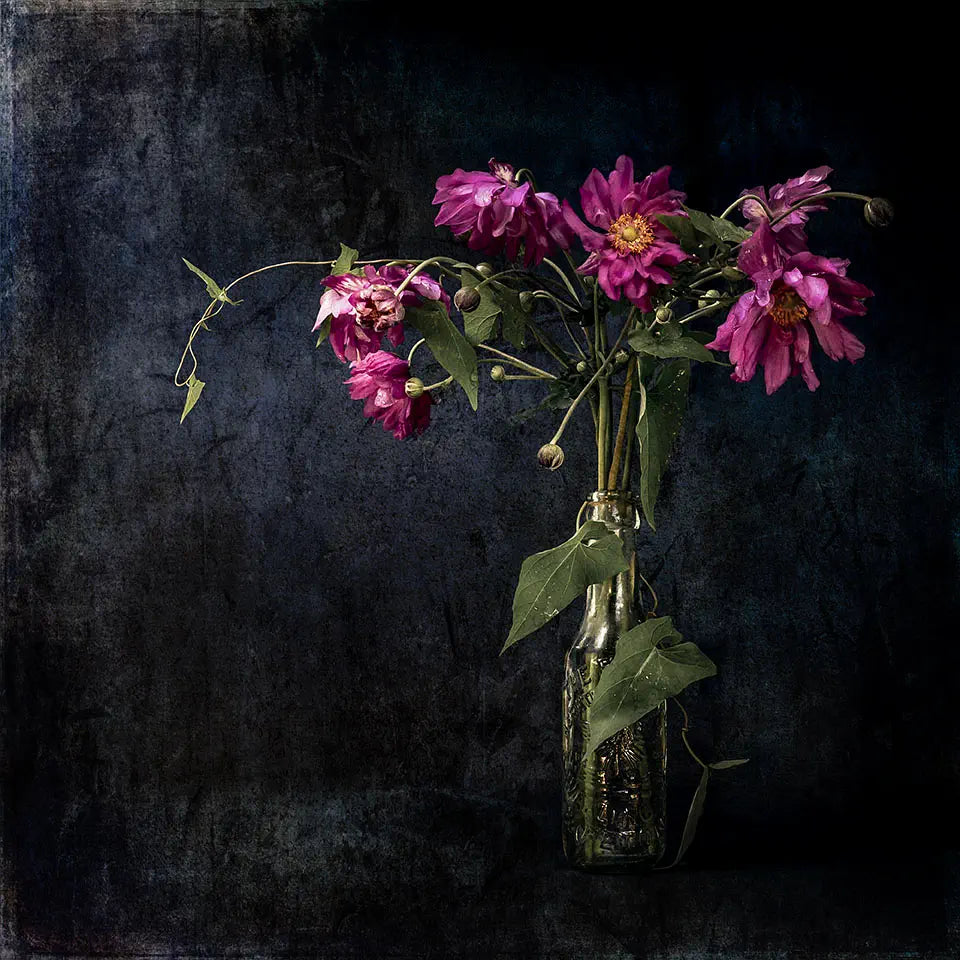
(380, 379)
(878, 212)
(790, 232)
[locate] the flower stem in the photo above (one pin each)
(816, 198)
(438, 384)
(621, 427)
(566, 280)
(413, 350)
(747, 196)
(529, 367)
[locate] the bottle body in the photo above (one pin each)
(614, 799)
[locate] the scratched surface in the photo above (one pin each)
(251, 691)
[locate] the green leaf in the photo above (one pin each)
(730, 231)
(727, 764)
(703, 224)
(552, 579)
(682, 229)
(642, 674)
(448, 344)
(514, 319)
(324, 330)
(480, 324)
(693, 816)
(666, 344)
(657, 429)
(213, 288)
(194, 389)
(344, 263)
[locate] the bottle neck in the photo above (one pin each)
(610, 605)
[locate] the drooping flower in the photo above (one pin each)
(500, 213)
(793, 295)
(790, 232)
(363, 309)
(379, 379)
(634, 247)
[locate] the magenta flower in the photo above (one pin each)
(379, 380)
(500, 212)
(793, 295)
(363, 309)
(630, 253)
(790, 232)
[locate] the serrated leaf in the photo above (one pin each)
(667, 345)
(727, 764)
(194, 389)
(213, 288)
(451, 349)
(480, 324)
(513, 319)
(551, 580)
(642, 674)
(344, 263)
(703, 224)
(682, 229)
(324, 330)
(730, 231)
(657, 429)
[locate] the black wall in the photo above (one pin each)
(251, 687)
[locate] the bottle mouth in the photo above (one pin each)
(612, 496)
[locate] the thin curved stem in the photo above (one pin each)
(566, 280)
(747, 196)
(529, 367)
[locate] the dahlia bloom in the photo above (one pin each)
(793, 295)
(630, 253)
(379, 380)
(500, 212)
(363, 309)
(789, 230)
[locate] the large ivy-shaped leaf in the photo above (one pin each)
(652, 662)
(658, 427)
(447, 343)
(660, 342)
(514, 318)
(552, 579)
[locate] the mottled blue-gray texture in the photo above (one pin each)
(252, 695)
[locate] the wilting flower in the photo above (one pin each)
(500, 213)
(630, 253)
(363, 309)
(793, 295)
(379, 379)
(790, 232)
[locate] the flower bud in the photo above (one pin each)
(709, 297)
(583, 366)
(664, 314)
(526, 301)
(485, 269)
(550, 456)
(466, 298)
(498, 374)
(413, 388)
(621, 357)
(878, 212)
(732, 273)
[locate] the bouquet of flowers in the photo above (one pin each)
(612, 332)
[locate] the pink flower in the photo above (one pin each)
(500, 212)
(790, 233)
(630, 253)
(793, 295)
(363, 309)
(379, 380)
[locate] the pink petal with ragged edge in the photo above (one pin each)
(620, 182)
(776, 361)
(595, 200)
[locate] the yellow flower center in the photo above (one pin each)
(630, 233)
(787, 309)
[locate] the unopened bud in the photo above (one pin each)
(732, 273)
(878, 212)
(526, 301)
(711, 296)
(485, 269)
(664, 314)
(621, 357)
(498, 374)
(466, 298)
(583, 366)
(550, 456)
(413, 388)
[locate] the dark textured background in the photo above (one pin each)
(251, 690)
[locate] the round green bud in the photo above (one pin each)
(664, 314)
(878, 212)
(550, 456)
(527, 301)
(413, 388)
(583, 366)
(732, 273)
(498, 374)
(711, 296)
(466, 298)
(621, 357)
(485, 269)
